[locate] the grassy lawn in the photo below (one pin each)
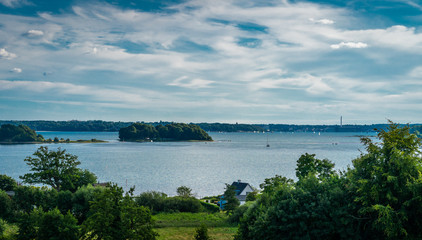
(185, 233)
(181, 226)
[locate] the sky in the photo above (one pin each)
(246, 61)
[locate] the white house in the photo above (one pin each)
(242, 190)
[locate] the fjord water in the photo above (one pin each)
(203, 166)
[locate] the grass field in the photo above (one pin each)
(182, 226)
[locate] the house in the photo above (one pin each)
(242, 190)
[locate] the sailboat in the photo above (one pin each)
(268, 145)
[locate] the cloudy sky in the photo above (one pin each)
(232, 61)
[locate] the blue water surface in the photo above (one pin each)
(203, 166)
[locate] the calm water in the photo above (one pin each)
(204, 167)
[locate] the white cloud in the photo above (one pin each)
(191, 83)
(35, 33)
(349, 45)
(16, 70)
(322, 21)
(14, 3)
(91, 46)
(6, 55)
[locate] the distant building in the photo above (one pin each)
(242, 190)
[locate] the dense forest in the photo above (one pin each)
(169, 132)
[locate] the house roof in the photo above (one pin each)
(240, 186)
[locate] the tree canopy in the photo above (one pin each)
(57, 169)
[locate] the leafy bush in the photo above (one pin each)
(153, 200)
(182, 204)
(7, 183)
(211, 208)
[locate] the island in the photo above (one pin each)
(18, 134)
(12, 134)
(141, 132)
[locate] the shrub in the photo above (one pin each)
(211, 208)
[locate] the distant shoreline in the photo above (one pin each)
(109, 126)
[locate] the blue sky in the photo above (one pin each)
(302, 62)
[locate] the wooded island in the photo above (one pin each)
(169, 132)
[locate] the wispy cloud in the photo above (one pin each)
(322, 21)
(191, 83)
(15, 3)
(349, 45)
(223, 55)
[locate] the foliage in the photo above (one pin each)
(40, 225)
(113, 216)
(56, 226)
(379, 198)
(239, 212)
(57, 169)
(28, 197)
(209, 207)
(153, 200)
(202, 233)
(2, 228)
(173, 131)
(81, 200)
(184, 191)
(5, 206)
(21, 133)
(182, 204)
(387, 181)
(159, 202)
(70, 126)
(7, 183)
(252, 196)
(309, 165)
(231, 202)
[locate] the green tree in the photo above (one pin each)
(81, 200)
(201, 233)
(114, 217)
(387, 180)
(53, 168)
(6, 208)
(230, 197)
(308, 164)
(184, 191)
(136, 219)
(56, 226)
(7, 183)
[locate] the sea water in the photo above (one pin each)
(205, 167)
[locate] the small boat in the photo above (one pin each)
(268, 145)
